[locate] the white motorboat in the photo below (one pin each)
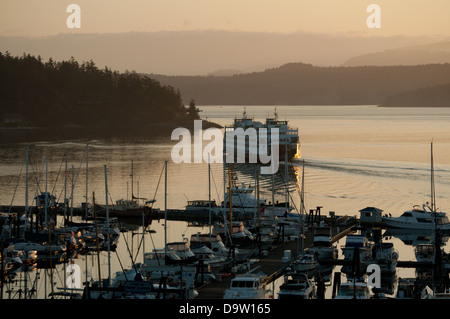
(215, 243)
(207, 256)
(405, 288)
(109, 226)
(297, 287)
(240, 236)
(160, 257)
(425, 253)
(203, 208)
(419, 218)
(243, 201)
(9, 228)
(40, 248)
(248, 286)
(354, 290)
(322, 246)
(70, 236)
(360, 242)
(27, 257)
(385, 256)
(306, 263)
(183, 250)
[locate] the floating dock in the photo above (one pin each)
(271, 265)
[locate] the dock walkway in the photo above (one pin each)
(271, 265)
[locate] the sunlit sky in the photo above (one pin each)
(398, 17)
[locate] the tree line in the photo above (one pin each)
(73, 94)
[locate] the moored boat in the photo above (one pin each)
(357, 242)
(322, 246)
(306, 263)
(297, 287)
(248, 286)
(419, 218)
(354, 290)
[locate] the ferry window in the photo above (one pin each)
(407, 214)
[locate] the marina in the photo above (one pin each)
(273, 229)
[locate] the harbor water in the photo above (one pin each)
(353, 156)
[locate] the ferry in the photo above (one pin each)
(289, 142)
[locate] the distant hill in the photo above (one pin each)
(434, 96)
(299, 83)
(203, 52)
(413, 55)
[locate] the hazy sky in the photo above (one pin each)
(48, 17)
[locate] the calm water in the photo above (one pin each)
(355, 156)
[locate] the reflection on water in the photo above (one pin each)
(354, 157)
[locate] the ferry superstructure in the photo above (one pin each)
(289, 141)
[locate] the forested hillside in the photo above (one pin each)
(433, 96)
(35, 93)
(299, 83)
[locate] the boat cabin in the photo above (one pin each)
(161, 257)
(371, 215)
(246, 281)
(201, 203)
(43, 198)
(354, 290)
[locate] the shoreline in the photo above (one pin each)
(10, 135)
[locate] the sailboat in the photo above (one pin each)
(423, 218)
(130, 208)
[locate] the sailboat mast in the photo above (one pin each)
(65, 187)
(46, 194)
(302, 193)
(26, 186)
(224, 212)
(286, 177)
(71, 199)
(258, 203)
(230, 201)
(107, 226)
(209, 194)
(165, 208)
(87, 176)
(433, 192)
(132, 193)
(97, 243)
